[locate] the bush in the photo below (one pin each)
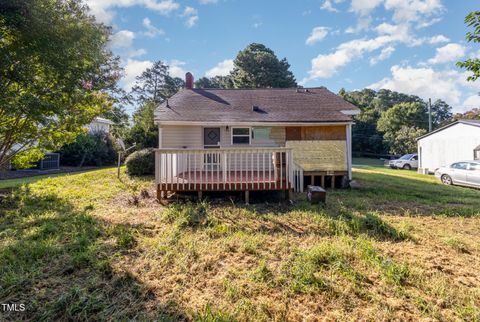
(141, 162)
(89, 149)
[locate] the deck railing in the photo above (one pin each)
(224, 169)
(297, 177)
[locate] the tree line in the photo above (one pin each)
(57, 74)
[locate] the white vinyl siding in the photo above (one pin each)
(182, 136)
(455, 143)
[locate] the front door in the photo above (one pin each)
(211, 140)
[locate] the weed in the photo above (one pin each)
(457, 244)
(262, 274)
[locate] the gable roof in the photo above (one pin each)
(274, 105)
(467, 122)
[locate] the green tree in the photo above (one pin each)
(120, 118)
(89, 149)
(56, 74)
(397, 119)
(405, 140)
(155, 84)
(472, 64)
(473, 114)
(441, 113)
(152, 87)
(257, 66)
(143, 132)
(214, 82)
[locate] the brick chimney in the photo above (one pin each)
(188, 80)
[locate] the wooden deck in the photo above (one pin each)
(225, 181)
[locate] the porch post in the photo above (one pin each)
(349, 150)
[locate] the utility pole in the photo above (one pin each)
(429, 115)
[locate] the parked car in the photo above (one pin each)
(463, 173)
(407, 162)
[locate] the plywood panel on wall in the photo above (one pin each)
(332, 132)
(293, 133)
(320, 155)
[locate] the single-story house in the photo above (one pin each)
(99, 124)
(253, 139)
(457, 141)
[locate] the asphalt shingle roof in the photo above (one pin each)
(236, 105)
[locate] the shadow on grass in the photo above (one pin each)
(301, 219)
(402, 193)
(59, 262)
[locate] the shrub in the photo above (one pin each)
(89, 149)
(141, 162)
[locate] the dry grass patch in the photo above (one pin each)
(110, 252)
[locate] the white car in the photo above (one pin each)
(462, 173)
(407, 162)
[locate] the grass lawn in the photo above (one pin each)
(90, 247)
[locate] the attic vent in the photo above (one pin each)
(302, 90)
(255, 108)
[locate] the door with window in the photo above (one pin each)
(211, 140)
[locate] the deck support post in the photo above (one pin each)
(333, 182)
(247, 197)
(289, 194)
(159, 193)
(322, 184)
(200, 195)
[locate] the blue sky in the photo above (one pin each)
(406, 45)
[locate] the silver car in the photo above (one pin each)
(462, 173)
(407, 162)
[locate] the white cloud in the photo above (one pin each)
(191, 16)
(324, 66)
(413, 10)
(448, 53)
(136, 52)
(103, 9)
(472, 101)
(317, 34)
(151, 31)
(223, 68)
(364, 7)
(176, 68)
(422, 12)
(425, 82)
(438, 39)
(384, 54)
(133, 68)
(328, 5)
(122, 39)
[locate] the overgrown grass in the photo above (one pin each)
(90, 247)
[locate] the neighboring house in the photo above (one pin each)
(99, 124)
(457, 141)
(253, 139)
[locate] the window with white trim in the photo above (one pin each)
(241, 135)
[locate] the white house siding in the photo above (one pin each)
(452, 144)
(181, 137)
(191, 137)
(99, 125)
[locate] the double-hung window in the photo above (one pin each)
(241, 135)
